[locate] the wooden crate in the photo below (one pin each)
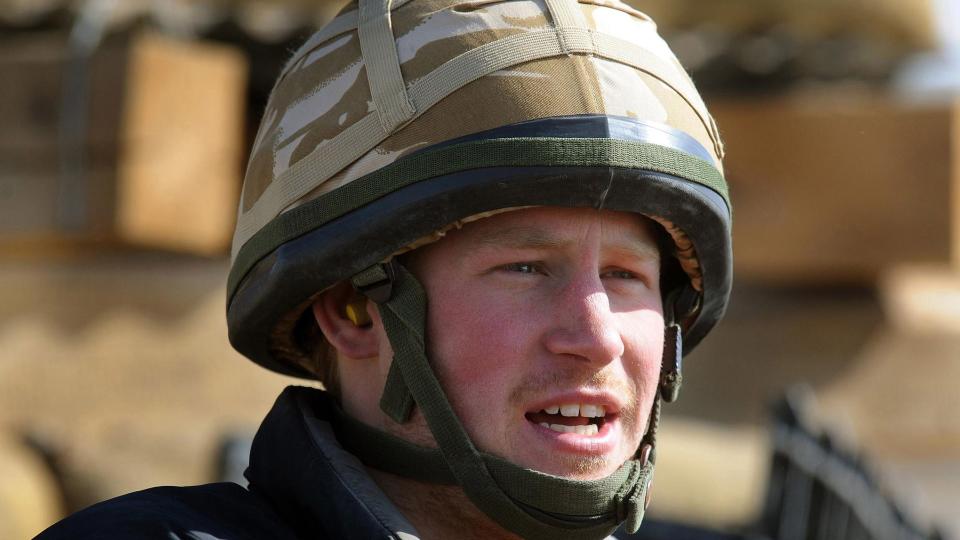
(836, 188)
(157, 163)
(907, 24)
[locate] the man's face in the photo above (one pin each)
(545, 328)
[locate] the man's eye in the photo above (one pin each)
(523, 268)
(621, 274)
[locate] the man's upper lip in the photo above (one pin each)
(607, 399)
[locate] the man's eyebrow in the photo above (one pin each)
(637, 250)
(536, 238)
(521, 237)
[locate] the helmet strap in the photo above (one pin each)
(377, 283)
(671, 377)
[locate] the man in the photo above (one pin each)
(486, 227)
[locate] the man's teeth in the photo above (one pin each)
(570, 410)
(586, 410)
(589, 429)
(578, 409)
(592, 411)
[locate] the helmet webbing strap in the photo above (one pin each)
(379, 49)
(398, 103)
(530, 503)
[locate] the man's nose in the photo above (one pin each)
(584, 325)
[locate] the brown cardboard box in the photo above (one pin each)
(142, 144)
(837, 187)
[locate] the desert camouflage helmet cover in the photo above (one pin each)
(401, 119)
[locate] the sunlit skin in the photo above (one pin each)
(527, 309)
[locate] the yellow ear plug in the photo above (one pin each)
(357, 311)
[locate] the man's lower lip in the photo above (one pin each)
(600, 443)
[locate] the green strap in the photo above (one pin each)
(392, 454)
(407, 319)
(377, 283)
(389, 453)
(532, 504)
(396, 400)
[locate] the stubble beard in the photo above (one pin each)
(584, 467)
(417, 431)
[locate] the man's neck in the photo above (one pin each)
(438, 511)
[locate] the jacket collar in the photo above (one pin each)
(318, 487)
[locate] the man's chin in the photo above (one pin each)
(577, 467)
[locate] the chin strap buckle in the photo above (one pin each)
(679, 307)
(376, 282)
(671, 376)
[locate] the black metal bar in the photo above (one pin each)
(818, 491)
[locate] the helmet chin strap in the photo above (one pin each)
(527, 502)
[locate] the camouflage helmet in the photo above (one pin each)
(402, 119)
(370, 146)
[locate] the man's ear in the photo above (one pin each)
(352, 340)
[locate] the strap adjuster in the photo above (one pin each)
(376, 282)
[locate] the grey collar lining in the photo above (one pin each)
(354, 475)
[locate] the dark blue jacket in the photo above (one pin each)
(302, 485)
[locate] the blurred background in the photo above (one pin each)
(124, 129)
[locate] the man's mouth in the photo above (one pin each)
(580, 418)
